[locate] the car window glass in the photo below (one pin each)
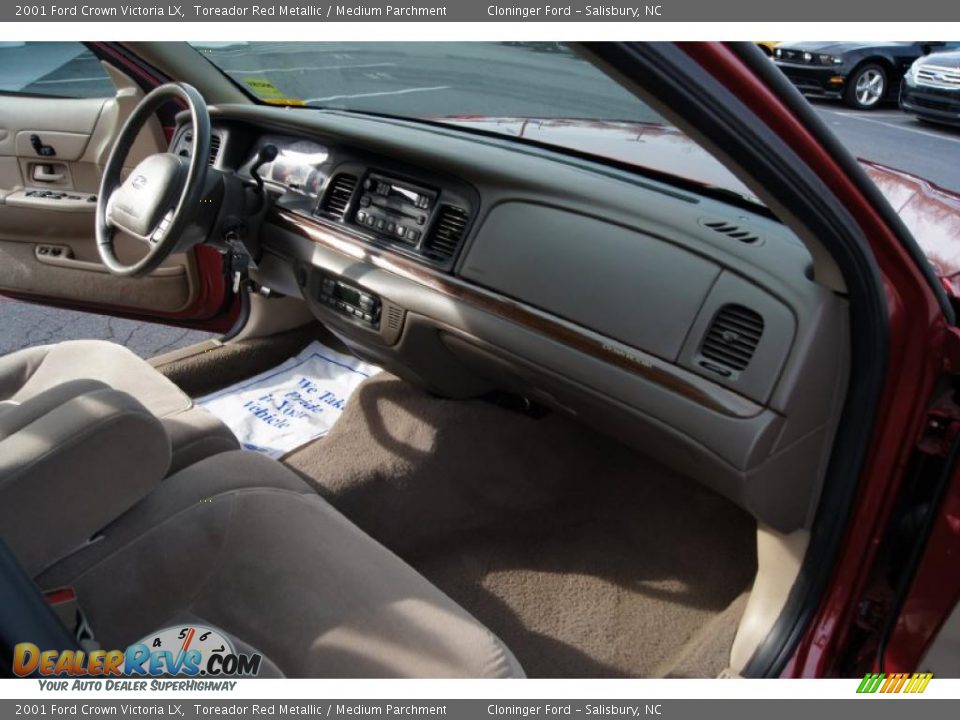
(541, 92)
(56, 69)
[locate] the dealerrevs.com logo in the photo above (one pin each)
(909, 683)
(191, 651)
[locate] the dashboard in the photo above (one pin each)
(689, 328)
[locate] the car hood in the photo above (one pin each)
(931, 213)
(657, 147)
(838, 47)
(942, 59)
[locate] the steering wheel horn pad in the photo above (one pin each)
(159, 199)
(139, 204)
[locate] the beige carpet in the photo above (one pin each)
(586, 558)
(213, 370)
(707, 653)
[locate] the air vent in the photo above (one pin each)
(215, 141)
(214, 149)
(447, 233)
(731, 230)
(394, 318)
(337, 198)
(733, 337)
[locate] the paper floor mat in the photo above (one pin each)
(296, 402)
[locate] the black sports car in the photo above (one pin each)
(931, 88)
(862, 74)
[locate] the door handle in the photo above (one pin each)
(45, 173)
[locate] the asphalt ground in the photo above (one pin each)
(421, 79)
(890, 137)
(27, 325)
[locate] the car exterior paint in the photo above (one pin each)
(932, 215)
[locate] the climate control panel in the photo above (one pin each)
(350, 301)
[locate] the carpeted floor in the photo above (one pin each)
(707, 653)
(586, 558)
(215, 369)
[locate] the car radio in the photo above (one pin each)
(350, 301)
(394, 208)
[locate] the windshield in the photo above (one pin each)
(418, 79)
(541, 92)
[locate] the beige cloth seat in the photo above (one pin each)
(194, 433)
(240, 543)
(72, 459)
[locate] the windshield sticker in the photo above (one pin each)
(269, 93)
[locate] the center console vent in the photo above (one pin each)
(447, 233)
(733, 336)
(336, 199)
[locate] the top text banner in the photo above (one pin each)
(485, 11)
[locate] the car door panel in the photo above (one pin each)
(52, 152)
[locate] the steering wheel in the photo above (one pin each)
(157, 201)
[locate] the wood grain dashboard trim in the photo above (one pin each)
(652, 369)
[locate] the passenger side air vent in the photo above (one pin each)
(337, 198)
(733, 337)
(447, 233)
(731, 230)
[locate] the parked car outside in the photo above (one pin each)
(930, 89)
(862, 75)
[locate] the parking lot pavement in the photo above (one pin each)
(890, 137)
(26, 325)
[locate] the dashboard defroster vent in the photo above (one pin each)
(733, 336)
(336, 200)
(447, 233)
(731, 230)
